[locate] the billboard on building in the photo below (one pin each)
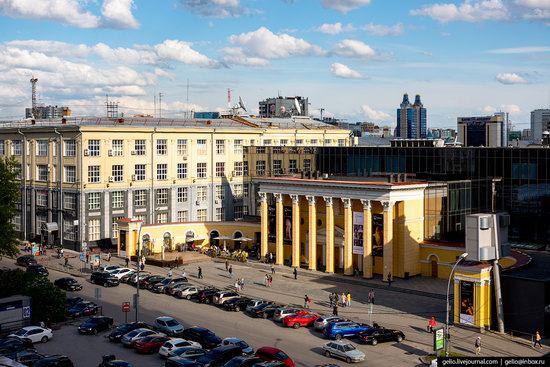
(466, 302)
(358, 233)
(378, 235)
(271, 223)
(287, 225)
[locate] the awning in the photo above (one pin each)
(243, 239)
(192, 239)
(222, 238)
(49, 227)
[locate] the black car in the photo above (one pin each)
(258, 310)
(38, 270)
(236, 304)
(10, 349)
(111, 361)
(207, 295)
(159, 287)
(68, 284)
(95, 324)
(84, 308)
(206, 338)
(120, 330)
(379, 335)
(218, 356)
(105, 279)
(178, 362)
(150, 281)
(173, 283)
(243, 361)
(26, 357)
(71, 301)
(26, 260)
(26, 343)
(269, 311)
(54, 361)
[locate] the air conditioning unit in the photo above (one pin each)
(110, 152)
(134, 177)
(86, 152)
(134, 152)
(198, 202)
(111, 179)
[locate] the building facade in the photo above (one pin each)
(48, 112)
(411, 119)
(284, 107)
(540, 122)
(484, 131)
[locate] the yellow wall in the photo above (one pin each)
(481, 277)
(446, 257)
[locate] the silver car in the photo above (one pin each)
(343, 350)
(129, 339)
(253, 303)
(283, 312)
(323, 321)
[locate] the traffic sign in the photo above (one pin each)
(82, 256)
(125, 306)
(439, 339)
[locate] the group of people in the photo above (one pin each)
(343, 300)
(239, 284)
(268, 280)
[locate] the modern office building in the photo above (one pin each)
(540, 122)
(48, 112)
(79, 176)
(411, 119)
(484, 131)
(445, 134)
(284, 107)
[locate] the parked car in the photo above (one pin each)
(283, 312)
(109, 268)
(270, 364)
(343, 350)
(84, 308)
(323, 321)
(207, 295)
(25, 343)
(159, 287)
(150, 344)
(258, 310)
(71, 301)
(254, 303)
(168, 325)
(190, 352)
(221, 297)
(179, 362)
(105, 279)
(130, 338)
(301, 319)
(133, 279)
(126, 277)
(243, 361)
(120, 272)
(274, 354)
(203, 336)
(34, 333)
(117, 334)
(176, 343)
(187, 291)
(150, 281)
(236, 304)
(338, 330)
(38, 270)
(26, 357)
(55, 360)
(111, 361)
(247, 349)
(217, 357)
(68, 284)
(26, 260)
(269, 310)
(380, 335)
(171, 288)
(95, 324)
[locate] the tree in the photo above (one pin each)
(9, 199)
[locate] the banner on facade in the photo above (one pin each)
(271, 223)
(358, 233)
(378, 235)
(287, 225)
(466, 302)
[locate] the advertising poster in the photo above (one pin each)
(358, 233)
(378, 235)
(287, 225)
(271, 223)
(466, 302)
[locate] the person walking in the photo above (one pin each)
(200, 273)
(432, 324)
(226, 265)
(237, 285)
(538, 339)
(306, 301)
(242, 284)
(349, 299)
(335, 310)
(66, 261)
(295, 272)
(142, 266)
(170, 273)
(270, 282)
(88, 259)
(344, 299)
(266, 280)
(108, 256)
(389, 279)
(330, 300)
(272, 269)
(230, 270)
(127, 261)
(477, 344)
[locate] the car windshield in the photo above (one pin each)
(94, 320)
(70, 281)
(281, 356)
(242, 344)
(21, 332)
(172, 323)
(348, 347)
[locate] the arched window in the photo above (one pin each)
(167, 241)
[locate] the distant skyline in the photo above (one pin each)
(353, 58)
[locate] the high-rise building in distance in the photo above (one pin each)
(284, 107)
(484, 131)
(540, 122)
(411, 119)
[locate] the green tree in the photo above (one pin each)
(9, 199)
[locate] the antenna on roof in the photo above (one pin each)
(241, 104)
(297, 106)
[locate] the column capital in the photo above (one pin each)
(328, 200)
(310, 200)
(366, 204)
(295, 199)
(388, 205)
(263, 196)
(278, 197)
(347, 202)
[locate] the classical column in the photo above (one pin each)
(295, 230)
(312, 243)
(265, 224)
(388, 239)
(367, 239)
(348, 237)
(329, 248)
(279, 250)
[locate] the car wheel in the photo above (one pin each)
(327, 353)
(399, 338)
(188, 297)
(348, 360)
(44, 339)
(237, 308)
(338, 337)
(207, 301)
(265, 316)
(105, 284)
(296, 325)
(374, 341)
(95, 331)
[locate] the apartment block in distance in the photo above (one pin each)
(484, 131)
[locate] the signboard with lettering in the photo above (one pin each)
(439, 339)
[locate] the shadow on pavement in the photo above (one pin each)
(410, 349)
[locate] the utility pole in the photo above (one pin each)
(160, 104)
(155, 105)
(187, 101)
(112, 107)
(34, 110)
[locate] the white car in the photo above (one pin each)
(109, 268)
(187, 292)
(247, 349)
(34, 333)
(120, 272)
(172, 344)
(221, 297)
(283, 312)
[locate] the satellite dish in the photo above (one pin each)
(241, 104)
(282, 109)
(297, 106)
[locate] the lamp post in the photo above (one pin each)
(138, 258)
(460, 258)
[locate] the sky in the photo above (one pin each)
(353, 58)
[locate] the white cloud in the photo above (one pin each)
(534, 4)
(510, 78)
(335, 28)
(343, 71)
(345, 6)
(467, 11)
(489, 109)
(520, 50)
(512, 109)
(374, 115)
(353, 48)
(118, 14)
(383, 30)
(181, 51)
(265, 44)
(217, 8)
(236, 56)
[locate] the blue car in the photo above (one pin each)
(340, 329)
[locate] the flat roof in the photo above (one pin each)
(538, 269)
(366, 181)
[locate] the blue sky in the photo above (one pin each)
(353, 58)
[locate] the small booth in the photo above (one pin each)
(472, 295)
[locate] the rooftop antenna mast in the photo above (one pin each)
(112, 107)
(33, 97)
(160, 104)
(229, 98)
(187, 102)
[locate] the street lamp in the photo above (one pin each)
(138, 257)
(460, 258)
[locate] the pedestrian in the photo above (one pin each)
(295, 274)
(272, 269)
(306, 301)
(335, 310)
(242, 284)
(478, 345)
(226, 265)
(538, 339)
(343, 299)
(200, 273)
(88, 259)
(330, 300)
(270, 281)
(266, 280)
(66, 261)
(432, 324)
(389, 279)
(170, 273)
(230, 270)
(371, 296)
(271, 258)
(349, 299)
(61, 252)
(127, 260)
(237, 285)
(109, 257)
(142, 266)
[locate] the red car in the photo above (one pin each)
(274, 354)
(301, 319)
(150, 344)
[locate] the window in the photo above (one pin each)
(220, 147)
(201, 193)
(201, 147)
(328, 141)
(260, 168)
(238, 191)
(139, 172)
(69, 201)
(313, 141)
(162, 217)
(69, 147)
(2, 147)
(307, 164)
(220, 169)
(220, 192)
(69, 232)
(238, 146)
(299, 141)
(162, 171)
(117, 199)
(114, 227)
(42, 148)
(201, 170)
(220, 214)
(40, 220)
(93, 174)
(18, 172)
(41, 198)
(162, 146)
(201, 215)
(182, 170)
(245, 168)
(182, 194)
(117, 147)
(277, 150)
(42, 173)
(183, 216)
(16, 222)
(139, 146)
(140, 197)
(292, 166)
(141, 217)
(341, 142)
(16, 147)
(238, 169)
(93, 148)
(182, 146)
(238, 212)
(162, 196)
(267, 142)
(245, 191)
(93, 229)
(94, 201)
(284, 142)
(260, 150)
(70, 174)
(277, 166)
(117, 172)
